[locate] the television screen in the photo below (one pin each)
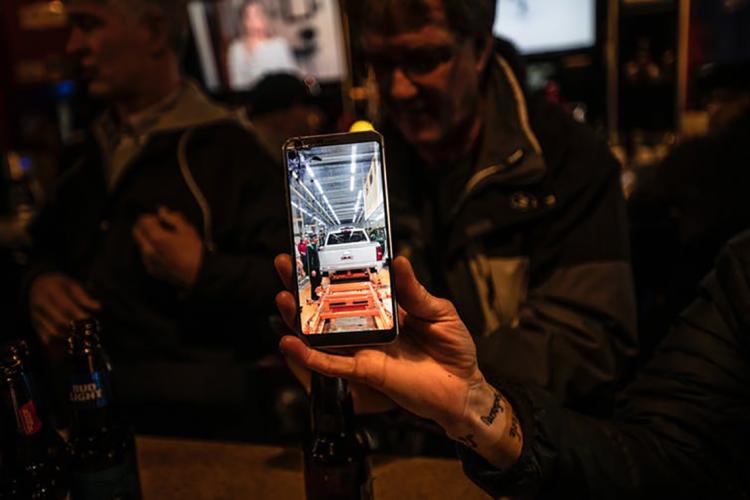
(241, 41)
(542, 26)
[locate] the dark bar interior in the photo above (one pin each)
(356, 249)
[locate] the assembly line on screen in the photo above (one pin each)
(340, 239)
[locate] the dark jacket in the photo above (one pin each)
(681, 430)
(313, 258)
(230, 190)
(529, 241)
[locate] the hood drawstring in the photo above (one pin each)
(200, 198)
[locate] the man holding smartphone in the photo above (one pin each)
(679, 431)
(505, 205)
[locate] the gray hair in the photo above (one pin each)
(467, 18)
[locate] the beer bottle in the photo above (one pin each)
(33, 453)
(103, 453)
(336, 464)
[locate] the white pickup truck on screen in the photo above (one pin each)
(350, 250)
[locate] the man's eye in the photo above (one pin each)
(381, 66)
(424, 65)
(424, 62)
(85, 23)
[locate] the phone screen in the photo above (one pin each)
(340, 228)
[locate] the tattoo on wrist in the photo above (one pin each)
(514, 432)
(497, 407)
(468, 440)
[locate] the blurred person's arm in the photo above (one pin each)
(53, 298)
(235, 281)
(239, 269)
(679, 429)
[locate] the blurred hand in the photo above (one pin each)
(55, 300)
(314, 274)
(170, 246)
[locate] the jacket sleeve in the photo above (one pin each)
(241, 269)
(575, 333)
(42, 257)
(680, 428)
(237, 280)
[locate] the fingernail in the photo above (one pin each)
(286, 340)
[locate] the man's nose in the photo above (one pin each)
(401, 86)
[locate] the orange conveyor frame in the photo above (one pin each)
(348, 300)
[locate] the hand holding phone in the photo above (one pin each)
(337, 200)
(430, 370)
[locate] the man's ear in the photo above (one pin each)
(483, 48)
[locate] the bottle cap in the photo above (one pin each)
(88, 326)
(83, 334)
(12, 356)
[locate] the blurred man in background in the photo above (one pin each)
(281, 106)
(165, 226)
(505, 206)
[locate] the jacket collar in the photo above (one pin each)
(188, 108)
(509, 147)
(185, 110)
(510, 153)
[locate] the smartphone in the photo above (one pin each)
(340, 231)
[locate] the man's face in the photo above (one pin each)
(110, 45)
(427, 76)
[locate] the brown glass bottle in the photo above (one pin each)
(103, 451)
(33, 453)
(336, 462)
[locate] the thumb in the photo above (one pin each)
(413, 297)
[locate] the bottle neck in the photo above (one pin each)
(331, 406)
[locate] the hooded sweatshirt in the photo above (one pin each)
(197, 158)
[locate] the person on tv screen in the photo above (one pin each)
(257, 51)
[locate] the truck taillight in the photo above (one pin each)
(379, 252)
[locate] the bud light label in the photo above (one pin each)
(28, 419)
(89, 390)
